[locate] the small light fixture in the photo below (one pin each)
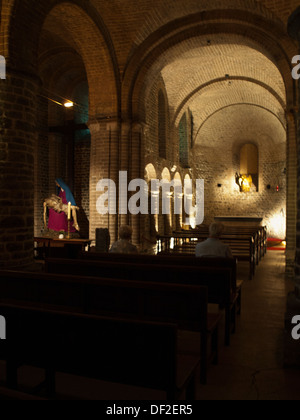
(174, 169)
(227, 77)
(68, 104)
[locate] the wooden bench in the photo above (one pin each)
(184, 260)
(219, 281)
(242, 247)
(127, 352)
(258, 232)
(7, 394)
(178, 304)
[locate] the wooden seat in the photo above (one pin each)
(184, 306)
(135, 353)
(220, 281)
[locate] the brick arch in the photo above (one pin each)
(95, 45)
(166, 175)
(271, 39)
(217, 83)
(150, 172)
(237, 104)
(170, 10)
(244, 129)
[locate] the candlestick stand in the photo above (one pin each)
(69, 225)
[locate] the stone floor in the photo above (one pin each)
(252, 368)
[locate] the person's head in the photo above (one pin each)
(216, 230)
(125, 232)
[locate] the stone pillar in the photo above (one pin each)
(292, 347)
(113, 131)
(125, 158)
(136, 172)
(104, 164)
(291, 176)
(18, 140)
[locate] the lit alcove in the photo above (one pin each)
(248, 177)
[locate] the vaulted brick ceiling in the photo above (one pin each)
(209, 74)
(229, 70)
(194, 71)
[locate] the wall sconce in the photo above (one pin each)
(69, 104)
(227, 77)
(174, 169)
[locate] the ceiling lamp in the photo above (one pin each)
(69, 104)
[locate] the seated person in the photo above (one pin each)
(124, 245)
(213, 247)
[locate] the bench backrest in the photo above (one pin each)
(123, 351)
(175, 303)
(187, 259)
(184, 260)
(219, 281)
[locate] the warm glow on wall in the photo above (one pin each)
(277, 226)
(244, 182)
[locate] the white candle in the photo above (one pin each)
(69, 211)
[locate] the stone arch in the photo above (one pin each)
(150, 172)
(151, 220)
(95, 47)
(267, 35)
(259, 26)
(164, 14)
(166, 175)
(273, 97)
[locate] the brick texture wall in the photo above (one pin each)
(219, 62)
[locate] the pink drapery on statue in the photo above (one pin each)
(58, 222)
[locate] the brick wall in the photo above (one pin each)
(218, 164)
(17, 147)
(184, 50)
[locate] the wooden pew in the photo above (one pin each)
(184, 306)
(7, 394)
(258, 232)
(184, 260)
(219, 281)
(242, 247)
(128, 352)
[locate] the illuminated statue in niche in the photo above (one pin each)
(244, 182)
(61, 207)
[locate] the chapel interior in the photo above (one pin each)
(172, 91)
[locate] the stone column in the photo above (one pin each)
(136, 171)
(18, 140)
(292, 347)
(125, 158)
(113, 130)
(104, 164)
